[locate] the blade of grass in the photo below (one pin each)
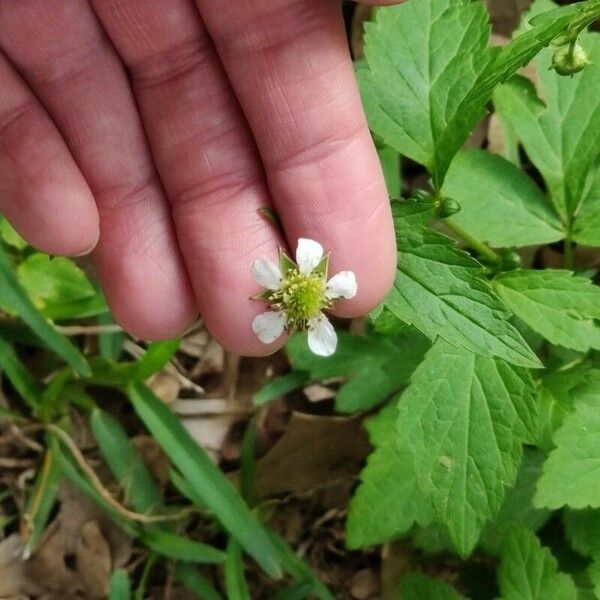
(208, 482)
(297, 591)
(13, 296)
(280, 386)
(40, 503)
(120, 587)
(111, 344)
(123, 460)
(19, 376)
(196, 582)
(157, 355)
(181, 548)
(298, 569)
(235, 579)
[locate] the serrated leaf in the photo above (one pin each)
(390, 165)
(558, 393)
(561, 134)
(558, 305)
(462, 422)
(517, 509)
(387, 502)
(442, 292)
(570, 476)
(53, 281)
(528, 571)
(420, 587)
(423, 58)
(376, 365)
(13, 297)
(582, 529)
(500, 204)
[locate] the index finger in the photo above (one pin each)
(289, 64)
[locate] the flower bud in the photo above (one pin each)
(448, 207)
(570, 59)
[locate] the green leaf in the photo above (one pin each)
(280, 386)
(376, 365)
(417, 586)
(41, 501)
(517, 509)
(424, 57)
(442, 292)
(14, 297)
(111, 344)
(298, 569)
(558, 305)
(594, 575)
(71, 472)
(582, 529)
(586, 229)
(181, 548)
(562, 134)
(10, 236)
(53, 281)
(500, 204)
(235, 580)
(204, 477)
(196, 582)
(388, 501)
(156, 356)
(528, 571)
(558, 392)
(139, 488)
(462, 422)
(120, 588)
(19, 376)
(390, 164)
(570, 476)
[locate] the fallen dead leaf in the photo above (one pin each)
(313, 451)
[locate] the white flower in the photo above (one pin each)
(298, 293)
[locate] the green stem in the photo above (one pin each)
(473, 243)
(140, 591)
(568, 258)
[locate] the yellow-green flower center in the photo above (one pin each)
(301, 298)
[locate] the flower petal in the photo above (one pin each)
(308, 255)
(267, 273)
(322, 339)
(342, 285)
(268, 326)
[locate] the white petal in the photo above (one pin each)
(268, 326)
(322, 339)
(308, 255)
(342, 285)
(267, 273)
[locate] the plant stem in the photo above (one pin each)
(481, 248)
(568, 258)
(140, 592)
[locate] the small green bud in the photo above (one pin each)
(448, 207)
(510, 260)
(570, 59)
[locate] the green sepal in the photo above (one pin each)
(286, 264)
(264, 295)
(323, 267)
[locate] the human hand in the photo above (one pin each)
(152, 132)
